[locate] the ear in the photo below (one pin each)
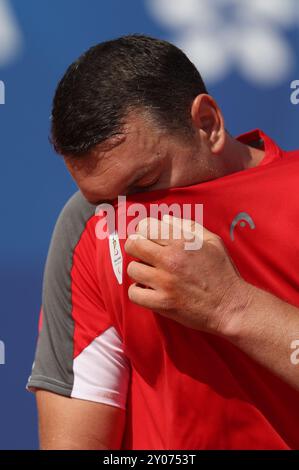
(207, 119)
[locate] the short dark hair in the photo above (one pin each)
(112, 78)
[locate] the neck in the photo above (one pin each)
(235, 157)
(238, 156)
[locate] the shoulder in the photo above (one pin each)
(68, 232)
(75, 214)
(73, 220)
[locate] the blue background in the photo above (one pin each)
(35, 184)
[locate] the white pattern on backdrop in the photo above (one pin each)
(221, 36)
(10, 34)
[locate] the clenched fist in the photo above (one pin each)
(199, 288)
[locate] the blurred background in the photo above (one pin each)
(247, 52)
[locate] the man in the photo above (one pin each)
(132, 116)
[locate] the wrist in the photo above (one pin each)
(236, 309)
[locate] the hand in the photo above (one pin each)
(199, 288)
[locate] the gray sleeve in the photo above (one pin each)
(53, 366)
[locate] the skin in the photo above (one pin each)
(72, 424)
(143, 158)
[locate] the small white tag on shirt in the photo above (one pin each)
(116, 256)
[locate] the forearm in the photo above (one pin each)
(267, 329)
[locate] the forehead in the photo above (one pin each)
(135, 147)
(137, 132)
(112, 167)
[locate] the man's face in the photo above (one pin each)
(142, 159)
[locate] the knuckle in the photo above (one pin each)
(173, 262)
(169, 293)
(166, 302)
(214, 247)
(143, 227)
(168, 284)
(131, 292)
(218, 241)
(129, 245)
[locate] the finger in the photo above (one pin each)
(192, 231)
(143, 249)
(143, 274)
(190, 225)
(147, 298)
(160, 232)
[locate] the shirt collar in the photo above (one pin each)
(259, 139)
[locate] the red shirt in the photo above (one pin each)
(192, 390)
